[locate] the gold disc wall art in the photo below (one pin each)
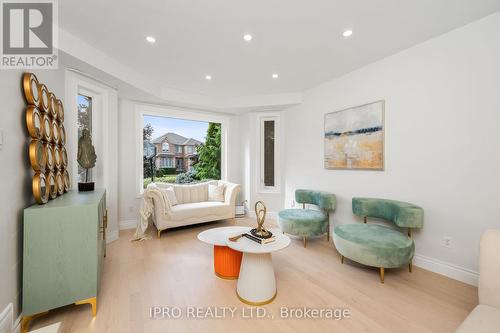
(47, 154)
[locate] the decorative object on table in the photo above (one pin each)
(257, 282)
(375, 245)
(259, 234)
(354, 138)
(86, 158)
(308, 222)
(226, 260)
(193, 206)
(47, 154)
(64, 244)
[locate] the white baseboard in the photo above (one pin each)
(7, 319)
(450, 270)
(111, 236)
(128, 224)
(17, 324)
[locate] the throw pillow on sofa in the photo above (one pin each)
(216, 192)
(169, 195)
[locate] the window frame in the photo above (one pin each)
(163, 147)
(142, 110)
(262, 188)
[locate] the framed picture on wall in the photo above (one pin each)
(354, 138)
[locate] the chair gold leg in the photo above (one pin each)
(305, 242)
(93, 303)
(25, 322)
(341, 259)
(328, 230)
(410, 267)
(158, 233)
(382, 274)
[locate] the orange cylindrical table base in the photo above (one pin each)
(227, 262)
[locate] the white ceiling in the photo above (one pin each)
(299, 39)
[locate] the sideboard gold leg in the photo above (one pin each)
(25, 322)
(93, 303)
(382, 274)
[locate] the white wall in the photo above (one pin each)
(15, 178)
(442, 140)
(128, 201)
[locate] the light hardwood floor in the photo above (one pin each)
(177, 270)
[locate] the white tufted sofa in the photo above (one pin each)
(193, 205)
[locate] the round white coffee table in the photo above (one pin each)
(226, 260)
(257, 283)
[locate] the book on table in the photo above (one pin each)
(260, 240)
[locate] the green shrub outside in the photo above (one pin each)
(165, 171)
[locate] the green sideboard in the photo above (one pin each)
(63, 250)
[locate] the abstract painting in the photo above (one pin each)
(354, 138)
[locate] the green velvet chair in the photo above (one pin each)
(376, 245)
(308, 222)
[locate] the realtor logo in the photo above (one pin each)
(29, 31)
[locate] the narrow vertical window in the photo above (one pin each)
(84, 121)
(269, 139)
(269, 152)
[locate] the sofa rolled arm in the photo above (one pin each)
(489, 269)
(232, 191)
(161, 205)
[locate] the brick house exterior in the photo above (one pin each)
(175, 151)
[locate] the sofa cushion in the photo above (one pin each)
(216, 192)
(484, 319)
(169, 195)
(373, 245)
(303, 222)
(191, 193)
(199, 209)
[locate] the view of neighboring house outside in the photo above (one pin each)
(175, 151)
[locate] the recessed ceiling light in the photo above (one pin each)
(208, 77)
(247, 37)
(275, 76)
(150, 39)
(347, 33)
